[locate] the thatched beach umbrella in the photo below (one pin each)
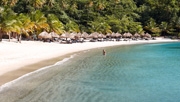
(147, 35)
(136, 35)
(84, 35)
(54, 35)
(72, 35)
(77, 35)
(127, 35)
(117, 35)
(113, 35)
(108, 35)
(64, 35)
(45, 35)
(100, 35)
(104, 36)
(142, 35)
(94, 35)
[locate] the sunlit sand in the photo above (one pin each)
(14, 56)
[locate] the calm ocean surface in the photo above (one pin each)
(135, 73)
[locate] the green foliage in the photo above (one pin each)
(100, 25)
(159, 17)
(8, 20)
(72, 27)
(25, 24)
(40, 21)
(54, 24)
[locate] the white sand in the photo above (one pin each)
(16, 55)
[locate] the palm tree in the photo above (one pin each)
(13, 2)
(50, 2)
(152, 26)
(10, 3)
(72, 27)
(4, 2)
(63, 4)
(100, 25)
(24, 24)
(8, 22)
(54, 24)
(1, 17)
(40, 21)
(37, 3)
(8, 26)
(101, 4)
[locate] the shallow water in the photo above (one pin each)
(134, 73)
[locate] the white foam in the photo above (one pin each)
(64, 60)
(9, 84)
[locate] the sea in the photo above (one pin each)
(127, 73)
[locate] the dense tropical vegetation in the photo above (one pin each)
(27, 17)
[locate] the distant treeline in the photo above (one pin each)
(156, 17)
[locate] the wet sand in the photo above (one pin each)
(20, 59)
(9, 76)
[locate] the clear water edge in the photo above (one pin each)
(138, 73)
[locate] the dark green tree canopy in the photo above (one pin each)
(160, 17)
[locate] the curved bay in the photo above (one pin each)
(135, 73)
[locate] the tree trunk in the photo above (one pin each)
(17, 37)
(0, 36)
(9, 37)
(20, 38)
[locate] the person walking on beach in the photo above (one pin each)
(104, 52)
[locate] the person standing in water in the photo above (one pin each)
(104, 52)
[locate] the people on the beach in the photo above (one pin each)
(104, 52)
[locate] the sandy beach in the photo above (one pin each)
(18, 59)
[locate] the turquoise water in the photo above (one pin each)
(135, 73)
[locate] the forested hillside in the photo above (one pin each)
(156, 17)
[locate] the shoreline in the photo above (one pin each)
(11, 66)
